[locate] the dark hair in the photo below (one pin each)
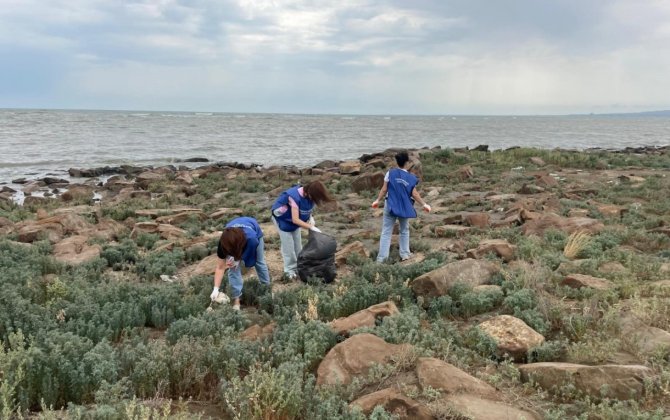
(401, 158)
(318, 193)
(233, 241)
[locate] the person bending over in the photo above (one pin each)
(241, 241)
(292, 211)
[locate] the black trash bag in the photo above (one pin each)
(317, 258)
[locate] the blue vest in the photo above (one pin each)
(399, 197)
(253, 232)
(305, 206)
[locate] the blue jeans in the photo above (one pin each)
(235, 274)
(387, 231)
(291, 245)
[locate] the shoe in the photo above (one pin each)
(236, 307)
(408, 257)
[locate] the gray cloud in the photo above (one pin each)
(371, 56)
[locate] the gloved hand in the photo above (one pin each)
(375, 204)
(315, 229)
(214, 294)
(426, 207)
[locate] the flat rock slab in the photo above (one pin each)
(646, 338)
(613, 381)
(565, 224)
(474, 407)
(446, 377)
(439, 281)
(398, 405)
(355, 356)
(499, 247)
(363, 318)
(512, 335)
(582, 280)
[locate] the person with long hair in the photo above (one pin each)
(400, 191)
(293, 210)
(241, 241)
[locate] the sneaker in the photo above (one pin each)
(408, 257)
(236, 307)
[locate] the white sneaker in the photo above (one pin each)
(409, 257)
(236, 307)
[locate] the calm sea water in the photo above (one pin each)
(36, 142)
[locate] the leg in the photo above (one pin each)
(261, 267)
(404, 238)
(385, 240)
(287, 250)
(297, 247)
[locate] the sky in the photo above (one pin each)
(347, 57)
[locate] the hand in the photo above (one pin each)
(311, 221)
(315, 229)
(214, 294)
(375, 204)
(426, 208)
(231, 263)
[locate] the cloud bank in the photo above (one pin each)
(358, 56)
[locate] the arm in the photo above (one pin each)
(416, 196)
(295, 218)
(382, 194)
(218, 273)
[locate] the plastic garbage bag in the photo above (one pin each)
(317, 258)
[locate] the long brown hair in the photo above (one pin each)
(318, 193)
(233, 242)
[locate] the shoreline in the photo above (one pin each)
(54, 185)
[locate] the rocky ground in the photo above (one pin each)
(539, 288)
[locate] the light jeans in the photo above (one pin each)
(235, 274)
(385, 239)
(291, 245)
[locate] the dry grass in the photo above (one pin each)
(576, 242)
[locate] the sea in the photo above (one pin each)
(36, 143)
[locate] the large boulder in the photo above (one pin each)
(500, 247)
(647, 339)
(447, 378)
(354, 248)
(145, 178)
(439, 281)
(78, 192)
(363, 318)
(480, 220)
(474, 407)
(512, 336)
(76, 250)
(368, 182)
(565, 224)
(350, 167)
(354, 357)
(612, 381)
(394, 403)
(53, 228)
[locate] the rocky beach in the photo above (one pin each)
(539, 287)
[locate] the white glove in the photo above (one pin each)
(231, 263)
(426, 207)
(315, 229)
(311, 220)
(214, 294)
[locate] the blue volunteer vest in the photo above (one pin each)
(305, 206)
(253, 232)
(399, 197)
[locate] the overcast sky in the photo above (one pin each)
(344, 56)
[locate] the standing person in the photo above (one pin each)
(399, 189)
(292, 211)
(241, 240)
